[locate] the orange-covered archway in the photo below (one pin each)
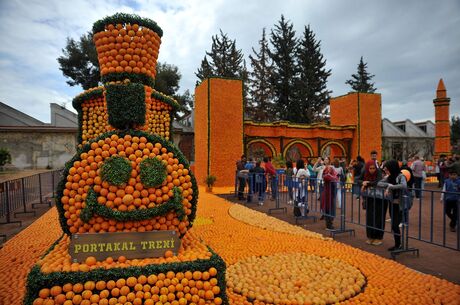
(333, 149)
(259, 148)
(297, 149)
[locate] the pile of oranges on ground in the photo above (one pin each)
(127, 48)
(175, 288)
(387, 282)
(59, 260)
(133, 195)
(298, 277)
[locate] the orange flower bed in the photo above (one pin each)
(387, 282)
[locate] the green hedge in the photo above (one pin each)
(139, 214)
(126, 105)
(37, 280)
(124, 18)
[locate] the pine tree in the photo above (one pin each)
(313, 95)
(361, 82)
(284, 77)
(204, 71)
(226, 60)
(260, 105)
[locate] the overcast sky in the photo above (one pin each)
(408, 45)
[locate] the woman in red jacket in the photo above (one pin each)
(330, 180)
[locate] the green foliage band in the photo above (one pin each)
(124, 18)
(126, 105)
(37, 280)
(153, 138)
(133, 77)
(166, 99)
(87, 95)
(92, 208)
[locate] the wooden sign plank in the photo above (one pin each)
(132, 245)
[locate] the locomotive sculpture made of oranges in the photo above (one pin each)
(127, 176)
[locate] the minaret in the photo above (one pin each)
(442, 123)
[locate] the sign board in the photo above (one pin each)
(132, 245)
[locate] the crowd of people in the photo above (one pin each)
(386, 187)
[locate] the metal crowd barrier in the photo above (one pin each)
(425, 221)
(21, 196)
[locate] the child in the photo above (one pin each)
(451, 197)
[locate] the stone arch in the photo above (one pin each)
(297, 149)
(336, 149)
(260, 144)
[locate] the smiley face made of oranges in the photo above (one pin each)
(127, 181)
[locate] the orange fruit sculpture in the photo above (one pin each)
(127, 176)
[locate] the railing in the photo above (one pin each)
(424, 221)
(21, 196)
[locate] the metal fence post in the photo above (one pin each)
(24, 201)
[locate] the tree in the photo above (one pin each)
(284, 77)
(313, 95)
(361, 82)
(186, 102)
(5, 157)
(260, 104)
(225, 59)
(204, 71)
(80, 63)
(167, 78)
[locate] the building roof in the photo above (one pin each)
(407, 128)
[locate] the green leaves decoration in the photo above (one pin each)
(123, 19)
(153, 172)
(92, 208)
(116, 170)
(126, 105)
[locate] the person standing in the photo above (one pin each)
(330, 180)
(376, 207)
(301, 178)
(241, 175)
(341, 181)
(288, 182)
(313, 175)
(395, 186)
(358, 170)
(249, 167)
(418, 167)
(271, 173)
(260, 182)
(374, 158)
(451, 198)
(318, 167)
